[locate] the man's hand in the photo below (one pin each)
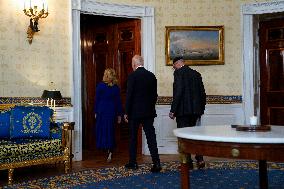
(172, 115)
(126, 118)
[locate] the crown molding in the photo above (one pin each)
(264, 7)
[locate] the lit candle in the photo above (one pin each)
(253, 120)
(51, 103)
(47, 101)
(54, 103)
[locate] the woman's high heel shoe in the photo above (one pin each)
(109, 157)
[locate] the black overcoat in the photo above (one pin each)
(189, 97)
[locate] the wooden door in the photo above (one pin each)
(107, 42)
(127, 35)
(271, 37)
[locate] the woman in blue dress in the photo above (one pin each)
(108, 111)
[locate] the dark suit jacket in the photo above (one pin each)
(189, 97)
(141, 94)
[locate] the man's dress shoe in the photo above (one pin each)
(190, 165)
(156, 168)
(133, 166)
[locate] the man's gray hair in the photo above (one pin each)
(138, 60)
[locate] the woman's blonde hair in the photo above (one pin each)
(110, 77)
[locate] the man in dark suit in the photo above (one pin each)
(189, 99)
(141, 98)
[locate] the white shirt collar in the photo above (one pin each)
(139, 67)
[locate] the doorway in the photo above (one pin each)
(252, 14)
(145, 13)
(271, 37)
(106, 42)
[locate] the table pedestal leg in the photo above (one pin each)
(263, 181)
(184, 172)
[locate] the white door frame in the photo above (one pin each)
(250, 61)
(146, 14)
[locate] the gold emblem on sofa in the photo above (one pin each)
(32, 123)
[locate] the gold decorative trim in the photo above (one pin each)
(10, 176)
(210, 99)
(185, 33)
(32, 123)
(235, 152)
(66, 158)
(65, 101)
(32, 162)
(30, 34)
(183, 158)
(6, 106)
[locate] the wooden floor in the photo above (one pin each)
(91, 160)
(98, 160)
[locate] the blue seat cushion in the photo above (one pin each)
(30, 122)
(32, 156)
(14, 148)
(5, 124)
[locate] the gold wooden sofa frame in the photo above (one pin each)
(66, 158)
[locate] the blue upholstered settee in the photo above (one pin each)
(29, 136)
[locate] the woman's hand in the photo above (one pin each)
(118, 119)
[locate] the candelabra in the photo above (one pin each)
(35, 13)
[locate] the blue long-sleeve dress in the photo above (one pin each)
(107, 108)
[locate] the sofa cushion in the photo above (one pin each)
(22, 147)
(5, 124)
(56, 130)
(33, 156)
(30, 122)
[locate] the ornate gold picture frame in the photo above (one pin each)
(198, 45)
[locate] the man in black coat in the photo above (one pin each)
(140, 109)
(189, 99)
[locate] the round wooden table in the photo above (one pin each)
(224, 141)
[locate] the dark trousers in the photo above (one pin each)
(149, 130)
(188, 121)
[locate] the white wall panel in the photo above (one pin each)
(215, 114)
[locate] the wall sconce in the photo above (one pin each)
(35, 11)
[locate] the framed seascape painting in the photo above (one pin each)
(198, 45)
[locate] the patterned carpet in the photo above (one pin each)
(217, 175)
